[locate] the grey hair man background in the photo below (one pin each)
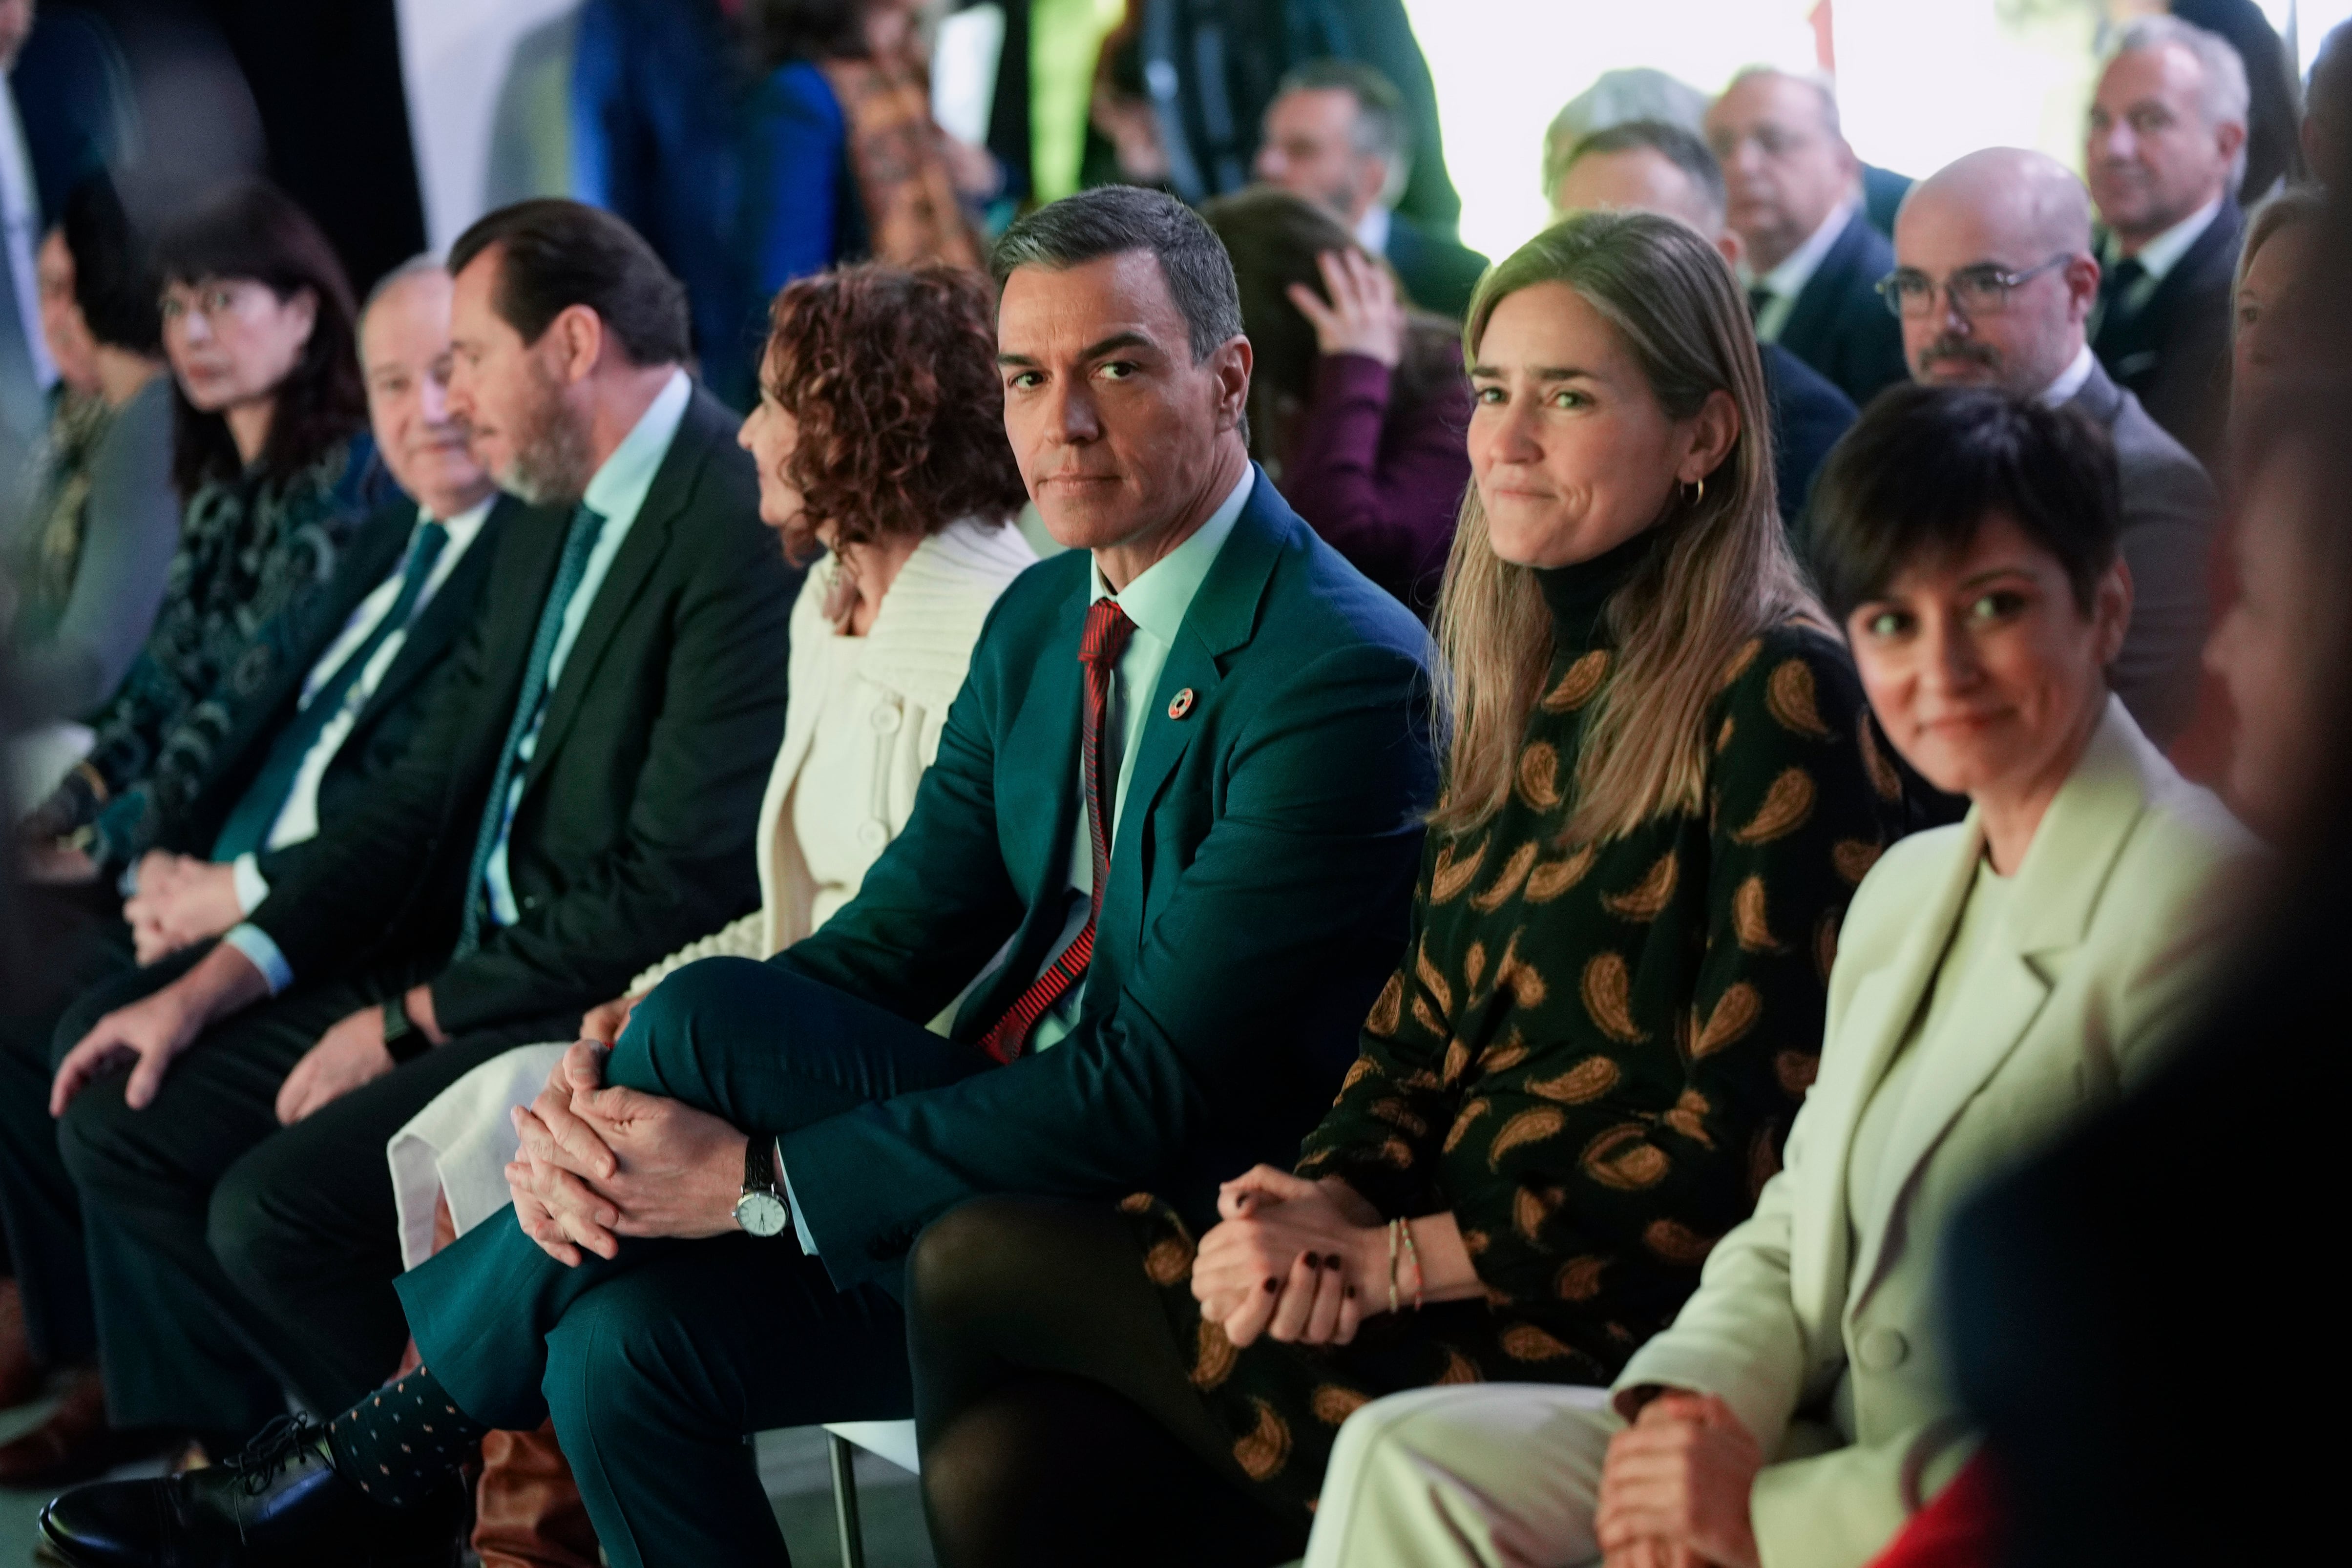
(2165, 153)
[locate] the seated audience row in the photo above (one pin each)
(1622, 1236)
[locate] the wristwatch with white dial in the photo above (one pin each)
(762, 1210)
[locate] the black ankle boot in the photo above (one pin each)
(276, 1504)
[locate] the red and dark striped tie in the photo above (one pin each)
(1108, 630)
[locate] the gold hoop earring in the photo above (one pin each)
(1695, 494)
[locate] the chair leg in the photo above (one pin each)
(845, 1503)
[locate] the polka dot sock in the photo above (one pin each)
(400, 1444)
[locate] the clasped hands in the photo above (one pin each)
(1674, 1488)
(1301, 1261)
(599, 1162)
(180, 901)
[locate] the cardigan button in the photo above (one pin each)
(887, 719)
(1882, 1350)
(873, 834)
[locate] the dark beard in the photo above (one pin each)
(550, 460)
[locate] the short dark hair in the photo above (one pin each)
(1380, 124)
(1925, 466)
(114, 281)
(1683, 147)
(1113, 220)
(251, 229)
(555, 253)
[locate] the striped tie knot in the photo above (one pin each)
(1106, 635)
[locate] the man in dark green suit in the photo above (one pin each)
(711, 1245)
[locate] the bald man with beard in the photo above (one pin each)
(1996, 277)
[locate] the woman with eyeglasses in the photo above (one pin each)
(272, 455)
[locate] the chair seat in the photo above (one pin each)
(894, 1440)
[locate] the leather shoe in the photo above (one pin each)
(275, 1504)
(75, 1444)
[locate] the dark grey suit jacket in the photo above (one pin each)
(2169, 507)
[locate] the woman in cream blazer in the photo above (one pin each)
(1994, 981)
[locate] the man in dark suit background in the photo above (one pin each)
(1814, 260)
(1167, 846)
(1656, 166)
(1336, 134)
(1995, 282)
(2166, 152)
(233, 805)
(581, 801)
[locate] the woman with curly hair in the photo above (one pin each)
(880, 439)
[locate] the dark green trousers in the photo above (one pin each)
(658, 1364)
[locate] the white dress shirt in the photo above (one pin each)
(1788, 280)
(2060, 392)
(1372, 229)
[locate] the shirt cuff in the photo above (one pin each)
(800, 1226)
(255, 943)
(252, 887)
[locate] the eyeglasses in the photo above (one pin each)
(1979, 290)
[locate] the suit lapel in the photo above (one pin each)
(1878, 1018)
(2049, 913)
(1220, 619)
(633, 567)
(1813, 317)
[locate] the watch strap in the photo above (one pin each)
(401, 1038)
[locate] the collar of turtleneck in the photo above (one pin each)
(1577, 595)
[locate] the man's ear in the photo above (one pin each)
(2228, 138)
(1733, 248)
(576, 336)
(1231, 362)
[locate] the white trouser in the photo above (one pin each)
(1501, 1475)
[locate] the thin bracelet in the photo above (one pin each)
(95, 781)
(1393, 1226)
(1413, 1253)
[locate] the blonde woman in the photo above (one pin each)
(1660, 793)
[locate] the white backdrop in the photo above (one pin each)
(454, 55)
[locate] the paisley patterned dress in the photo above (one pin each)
(1590, 1053)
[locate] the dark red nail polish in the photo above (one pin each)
(1351, 1292)
(1272, 1286)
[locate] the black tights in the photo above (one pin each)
(1057, 1422)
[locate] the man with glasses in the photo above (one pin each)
(1795, 200)
(1994, 284)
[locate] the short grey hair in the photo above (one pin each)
(1825, 87)
(1115, 220)
(416, 266)
(2224, 97)
(1381, 131)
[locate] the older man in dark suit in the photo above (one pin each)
(1165, 853)
(581, 801)
(2165, 154)
(1796, 201)
(1994, 283)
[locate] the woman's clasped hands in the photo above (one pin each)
(1302, 1261)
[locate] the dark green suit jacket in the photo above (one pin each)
(1259, 890)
